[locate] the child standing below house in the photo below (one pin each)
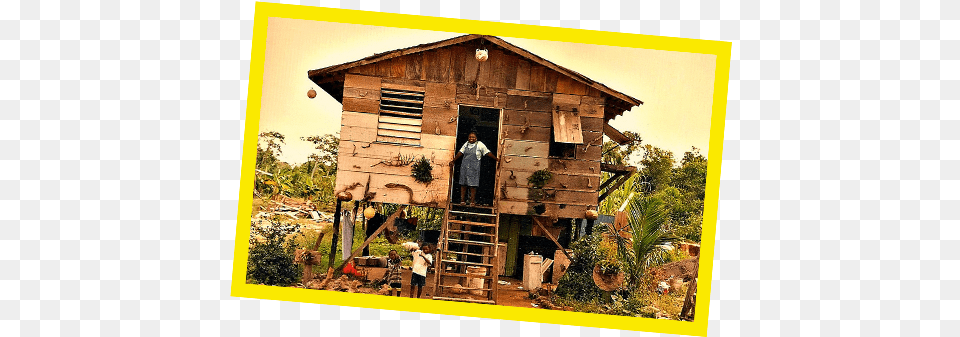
(393, 277)
(471, 152)
(422, 259)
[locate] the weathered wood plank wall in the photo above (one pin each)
(530, 95)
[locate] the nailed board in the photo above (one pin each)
(529, 103)
(362, 82)
(518, 178)
(552, 209)
(566, 102)
(361, 93)
(433, 195)
(361, 105)
(566, 127)
(523, 74)
(360, 134)
(573, 166)
(359, 119)
(532, 118)
(534, 133)
(382, 165)
(525, 148)
(585, 198)
(591, 124)
(489, 96)
(508, 162)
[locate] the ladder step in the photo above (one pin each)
(444, 273)
(464, 300)
(469, 232)
(471, 223)
(472, 213)
(474, 206)
(468, 263)
(450, 251)
(465, 288)
(469, 242)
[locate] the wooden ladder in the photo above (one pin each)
(468, 250)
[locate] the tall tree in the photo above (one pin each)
(269, 148)
(657, 168)
(617, 154)
(328, 146)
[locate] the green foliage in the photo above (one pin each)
(646, 249)
(427, 218)
(680, 190)
(313, 180)
(422, 171)
(675, 255)
(271, 254)
(577, 283)
(540, 178)
(617, 154)
(328, 146)
(657, 168)
(537, 181)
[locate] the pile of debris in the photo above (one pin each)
(293, 208)
(685, 271)
(343, 284)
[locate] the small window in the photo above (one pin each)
(562, 150)
(401, 116)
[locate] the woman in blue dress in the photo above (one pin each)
(471, 152)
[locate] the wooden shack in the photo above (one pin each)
(420, 102)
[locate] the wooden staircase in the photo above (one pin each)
(468, 254)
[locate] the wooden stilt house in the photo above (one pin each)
(421, 102)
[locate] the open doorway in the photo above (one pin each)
(486, 123)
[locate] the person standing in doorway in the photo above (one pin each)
(471, 152)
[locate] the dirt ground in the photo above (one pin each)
(509, 294)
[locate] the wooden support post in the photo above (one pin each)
(689, 303)
(537, 220)
(622, 180)
(609, 181)
(589, 230)
(336, 235)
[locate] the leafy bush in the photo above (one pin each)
(577, 283)
(271, 255)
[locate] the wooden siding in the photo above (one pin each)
(529, 93)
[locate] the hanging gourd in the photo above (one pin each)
(369, 213)
(311, 93)
(482, 55)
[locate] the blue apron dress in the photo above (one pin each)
(470, 166)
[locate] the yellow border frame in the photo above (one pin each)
(239, 288)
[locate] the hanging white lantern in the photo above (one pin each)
(482, 55)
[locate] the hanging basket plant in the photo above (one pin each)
(540, 178)
(537, 181)
(422, 170)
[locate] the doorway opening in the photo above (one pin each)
(485, 122)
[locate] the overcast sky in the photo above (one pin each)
(676, 88)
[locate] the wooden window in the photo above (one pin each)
(401, 116)
(567, 133)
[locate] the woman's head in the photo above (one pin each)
(472, 137)
(394, 255)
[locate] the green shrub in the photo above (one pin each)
(577, 283)
(271, 254)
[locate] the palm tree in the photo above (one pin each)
(648, 243)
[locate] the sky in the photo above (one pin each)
(676, 88)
